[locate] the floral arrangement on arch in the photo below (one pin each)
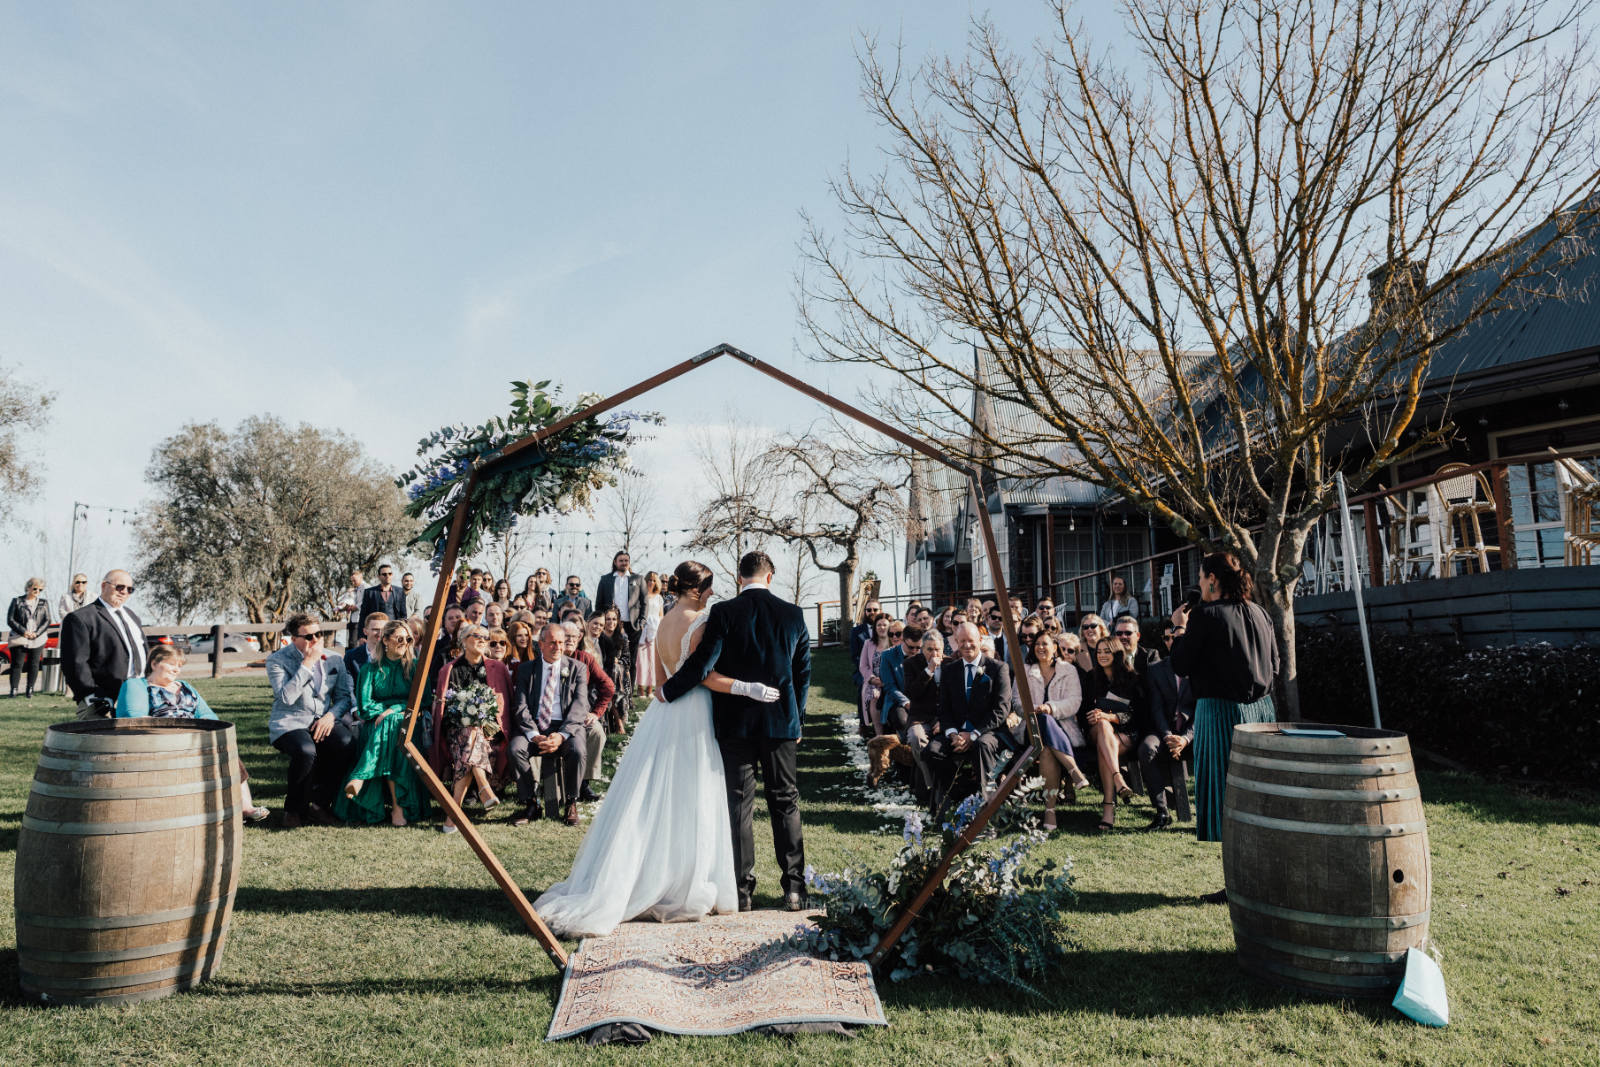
(473, 705)
(557, 475)
(995, 918)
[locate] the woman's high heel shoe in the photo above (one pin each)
(1124, 793)
(1108, 817)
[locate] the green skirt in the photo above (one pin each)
(1214, 721)
(382, 756)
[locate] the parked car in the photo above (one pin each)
(52, 642)
(202, 644)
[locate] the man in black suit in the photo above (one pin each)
(385, 597)
(764, 641)
(974, 699)
(102, 646)
(922, 689)
(551, 716)
(1167, 733)
(624, 589)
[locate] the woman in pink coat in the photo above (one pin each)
(467, 756)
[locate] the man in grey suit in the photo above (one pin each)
(312, 720)
(551, 721)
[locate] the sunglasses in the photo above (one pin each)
(404, 639)
(1086, 627)
(123, 589)
(499, 644)
(1125, 633)
(312, 636)
(573, 585)
(81, 581)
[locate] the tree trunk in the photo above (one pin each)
(1280, 605)
(847, 583)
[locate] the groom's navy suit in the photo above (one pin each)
(755, 637)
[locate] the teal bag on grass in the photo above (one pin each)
(1422, 996)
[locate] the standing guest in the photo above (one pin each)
(77, 597)
(536, 590)
(974, 700)
(381, 692)
(102, 646)
(876, 644)
(860, 634)
(350, 607)
(502, 594)
(28, 618)
(1120, 602)
(551, 715)
(602, 691)
(1168, 733)
(1116, 700)
(368, 651)
(465, 756)
(460, 585)
(573, 597)
(540, 618)
(473, 611)
(494, 615)
(1057, 696)
(922, 711)
(522, 647)
(1227, 650)
(519, 603)
(385, 597)
(623, 590)
(312, 699)
(644, 667)
(416, 624)
(160, 695)
(413, 595)
(619, 665)
(499, 645)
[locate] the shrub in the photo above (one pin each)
(1525, 711)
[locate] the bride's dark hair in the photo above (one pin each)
(690, 577)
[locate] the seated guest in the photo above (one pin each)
(523, 647)
(466, 756)
(365, 652)
(1168, 731)
(552, 713)
(499, 645)
(1053, 684)
(1125, 628)
(602, 691)
(974, 700)
(102, 646)
(312, 700)
(445, 648)
(921, 688)
(892, 678)
(1114, 700)
(1091, 628)
(382, 689)
(619, 665)
(160, 695)
(494, 615)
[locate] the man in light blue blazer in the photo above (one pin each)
(313, 703)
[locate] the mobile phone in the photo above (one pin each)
(1192, 601)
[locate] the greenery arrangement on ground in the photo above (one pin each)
(375, 945)
(560, 474)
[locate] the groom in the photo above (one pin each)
(755, 637)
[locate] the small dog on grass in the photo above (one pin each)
(882, 753)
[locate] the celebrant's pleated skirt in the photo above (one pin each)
(1214, 720)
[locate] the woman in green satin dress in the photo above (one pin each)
(381, 693)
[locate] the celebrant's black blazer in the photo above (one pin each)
(754, 637)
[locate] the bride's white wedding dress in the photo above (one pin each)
(660, 847)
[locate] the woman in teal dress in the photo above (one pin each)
(381, 693)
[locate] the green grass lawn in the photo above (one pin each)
(378, 945)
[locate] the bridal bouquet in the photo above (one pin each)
(473, 705)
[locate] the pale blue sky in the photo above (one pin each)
(374, 215)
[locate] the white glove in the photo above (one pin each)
(764, 694)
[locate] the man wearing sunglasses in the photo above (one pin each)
(573, 596)
(102, 646)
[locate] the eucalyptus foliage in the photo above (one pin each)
(558, 475)
(994, 919)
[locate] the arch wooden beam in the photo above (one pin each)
(469, 832)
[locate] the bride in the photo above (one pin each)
(660, 847)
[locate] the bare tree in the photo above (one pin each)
(730, 467)
(631, 506)
(22, 410)
(1167, 256)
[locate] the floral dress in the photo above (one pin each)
(469, 749)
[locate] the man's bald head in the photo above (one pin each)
(116, 587)
(966, 641)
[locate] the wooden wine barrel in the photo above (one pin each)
(1325, 852)
(128, 859)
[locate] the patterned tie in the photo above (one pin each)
(547, 698)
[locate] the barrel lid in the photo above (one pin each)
(1286, 729)
(135, 727)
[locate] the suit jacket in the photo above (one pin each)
(602, 690)
(892, 672)
(563, 602)
(296, 703)
(633, 611)
(754, 637)
(1170, 709)
(93, 655)
(572, 695)
(392, 605)
(986, 707)
(921, 690)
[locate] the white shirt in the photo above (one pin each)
(619, 594)
(131, 641)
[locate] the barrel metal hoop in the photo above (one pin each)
(1316, 952)
(118, 955)
(130, 792)
(1350, 770)
(193, 970)
(1327, 978)
(1321, 746)
(122, 922)
(1323, 829)
(101, 766)
(106, 829)
(1305, 792)
(142, 996)
(178, 742)
(1317, 918)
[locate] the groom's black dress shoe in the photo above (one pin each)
(746, 904)
(529, 814)
(796, 902)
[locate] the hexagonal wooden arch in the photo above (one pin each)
(469, 832)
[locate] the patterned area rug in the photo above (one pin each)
(722, 975)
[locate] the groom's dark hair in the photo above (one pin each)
(755, 564)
